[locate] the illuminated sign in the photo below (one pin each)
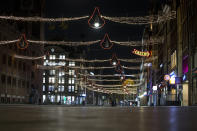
(141, 53)
(173, 60)
(154, 88)
(172, 78)
(166, 77)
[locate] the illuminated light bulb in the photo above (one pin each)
(106, 44)
(96, 25)
(114, 63)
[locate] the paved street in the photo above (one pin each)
(59, 118)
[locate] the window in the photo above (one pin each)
(46, 62)
(51, 79)
(61, 88)
(62, 63)
(71, 72)
(71, 63)
(43, 88)
(9, 61)
(61, 80)
(51, 88)
(45, 57)
(73, 88)
(9, 80)
(4, 59)
(52, 57)
(61, 73)
(3, 79)
(43, 73)
(14, 82)
(62, 57)
(43, 79)
(71, 81)
(69, 88)
(52, 72)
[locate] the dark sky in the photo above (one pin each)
(80, 31)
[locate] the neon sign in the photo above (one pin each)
(141, 53)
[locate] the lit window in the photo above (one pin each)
(73, 88)
(62, 63)
(51, 88)
(71, 63)
(71, 81)
(51, 79)
(43, 73)
(52, 72)
(61, 80)
(61, 73)
(43, 88)
(52, 57)
(43, 79)
(69, 88)
(44, 57)
(61, 88)
(71, 72)
(62, 57)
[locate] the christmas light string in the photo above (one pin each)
(41, 19)
(28, 57)
(85, 68)
(126, 20)
(79, 43)
(8, 42)
(143, 20)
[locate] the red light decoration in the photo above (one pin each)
(22, 43)
(141, 53)
(114, 60)
(95, 20)
(106, 43)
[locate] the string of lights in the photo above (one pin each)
(85, 60)
(8, 42)
(116, 75)
(79, 43)
(143, 19)
(108, 80)
(28, 57)
(85, 68)
(127, 20)
(41, 19)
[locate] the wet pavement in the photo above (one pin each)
(60, 118)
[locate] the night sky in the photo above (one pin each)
(80, 31)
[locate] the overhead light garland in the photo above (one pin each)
(28, 57)
(41, 19)
(105, 43)
(85, 68)
(125, 20)
(142, 20)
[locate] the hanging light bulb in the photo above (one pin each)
(96, 21)
(114, 60)
(106, 43)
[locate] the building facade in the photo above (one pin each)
(61, 84)
(19, 81)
